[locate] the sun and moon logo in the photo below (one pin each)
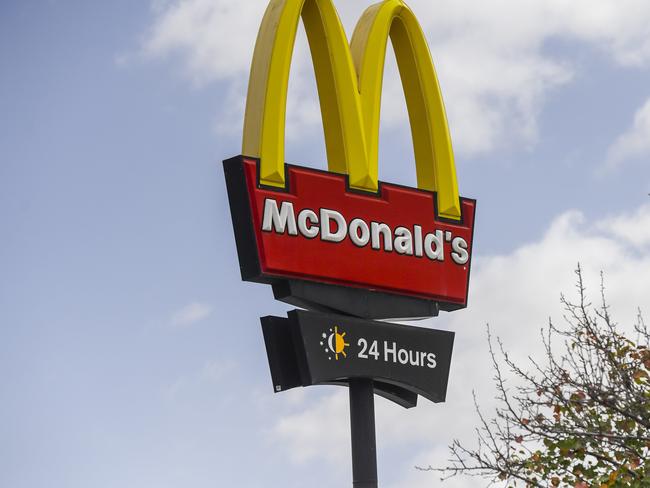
(334, 343)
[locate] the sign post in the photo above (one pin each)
(362, 427)
(344, 247)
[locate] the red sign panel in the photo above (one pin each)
(317, 229)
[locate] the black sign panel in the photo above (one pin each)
(326, 348)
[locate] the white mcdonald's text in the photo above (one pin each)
(331, 226)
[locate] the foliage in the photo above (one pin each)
(581, 421)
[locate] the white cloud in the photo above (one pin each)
(633, 228)
(215, 38)
(191, 314)
(491, 57)
(216, 370)
(318, 432)
(633, 144)
(213, 373)
(515, 294)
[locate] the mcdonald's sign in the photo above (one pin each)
(343, 227)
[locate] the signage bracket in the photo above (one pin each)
(356, 302)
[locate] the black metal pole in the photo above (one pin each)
(364, 444)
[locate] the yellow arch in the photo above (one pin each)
(349, 80)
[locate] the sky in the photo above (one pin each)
(131, 351)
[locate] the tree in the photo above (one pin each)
(581, 420)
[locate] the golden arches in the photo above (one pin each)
(349, 80)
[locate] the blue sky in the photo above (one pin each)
(131, 352)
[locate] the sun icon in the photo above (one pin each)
(335, 343)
